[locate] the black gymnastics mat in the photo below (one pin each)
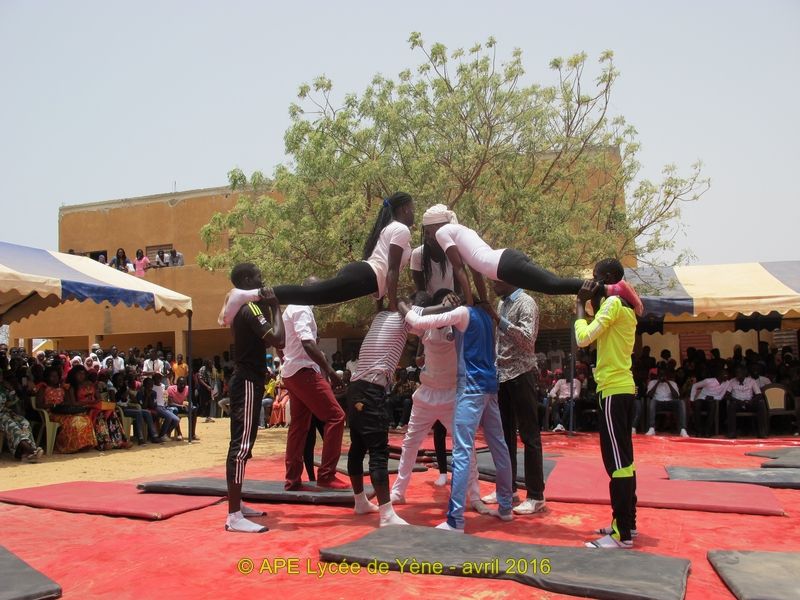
(752, 575)
(487, 471)
(577, 571)
(394, 464)
(790, 460)
(773, 452)
(20, 581)
(774, 478)
(253, 489)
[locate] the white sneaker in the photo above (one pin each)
(651, 431)
(397, 498)
(558, 428)
(607, 542)
(529, 507)
(445, 526)
(441, 480)
(684, 433)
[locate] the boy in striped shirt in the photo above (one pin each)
(614, 330)
(367, 414)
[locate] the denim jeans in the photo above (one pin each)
(140, 419)
(170, 420)
(473, 410)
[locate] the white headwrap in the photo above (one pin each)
(439, 213)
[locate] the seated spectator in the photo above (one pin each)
(340, 393)
(161, 260)
(141, 263)
(743, 394)
(120, 262)
(82, 391)
(400, 400)
(703, 395)
(560, 396)
(266, 401)
(757, 373)
(102, 259)
(76, 431)
(178, 402)
(662, 392)
(171, 420)
(337, 361)
(279, 416)
(16, 428)
(146, 398)
(175, 258)
(142, 419)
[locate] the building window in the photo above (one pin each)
(95, 254)
(152, 251)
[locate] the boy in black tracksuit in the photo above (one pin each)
(253, 333)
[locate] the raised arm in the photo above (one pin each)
(276, 336)
(460, 273)
(586, 333)
(480, 284)
(458, 318)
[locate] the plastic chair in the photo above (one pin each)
(48, 426)
(779, 400)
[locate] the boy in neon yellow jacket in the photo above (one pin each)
(614, 330)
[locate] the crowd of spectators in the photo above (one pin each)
(141, 263)
(91, 395)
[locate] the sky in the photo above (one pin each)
(108, 99)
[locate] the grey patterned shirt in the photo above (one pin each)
(516, 335)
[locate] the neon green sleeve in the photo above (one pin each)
(586, 334)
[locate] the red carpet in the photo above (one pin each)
(585, 481)
(108, 498)
(190, 556)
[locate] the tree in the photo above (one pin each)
(542, 168)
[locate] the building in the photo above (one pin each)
(149, 223)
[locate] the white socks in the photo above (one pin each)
(441, 480)
(363, 506)
(237, 522)
(388, 516)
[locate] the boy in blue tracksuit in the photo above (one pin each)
(476, 404)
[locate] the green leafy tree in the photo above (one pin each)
(542, 168)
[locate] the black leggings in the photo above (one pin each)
(440, 446)
(517, 269)
(353, 281)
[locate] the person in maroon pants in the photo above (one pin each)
(308, 377)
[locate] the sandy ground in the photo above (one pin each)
(139, 461)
